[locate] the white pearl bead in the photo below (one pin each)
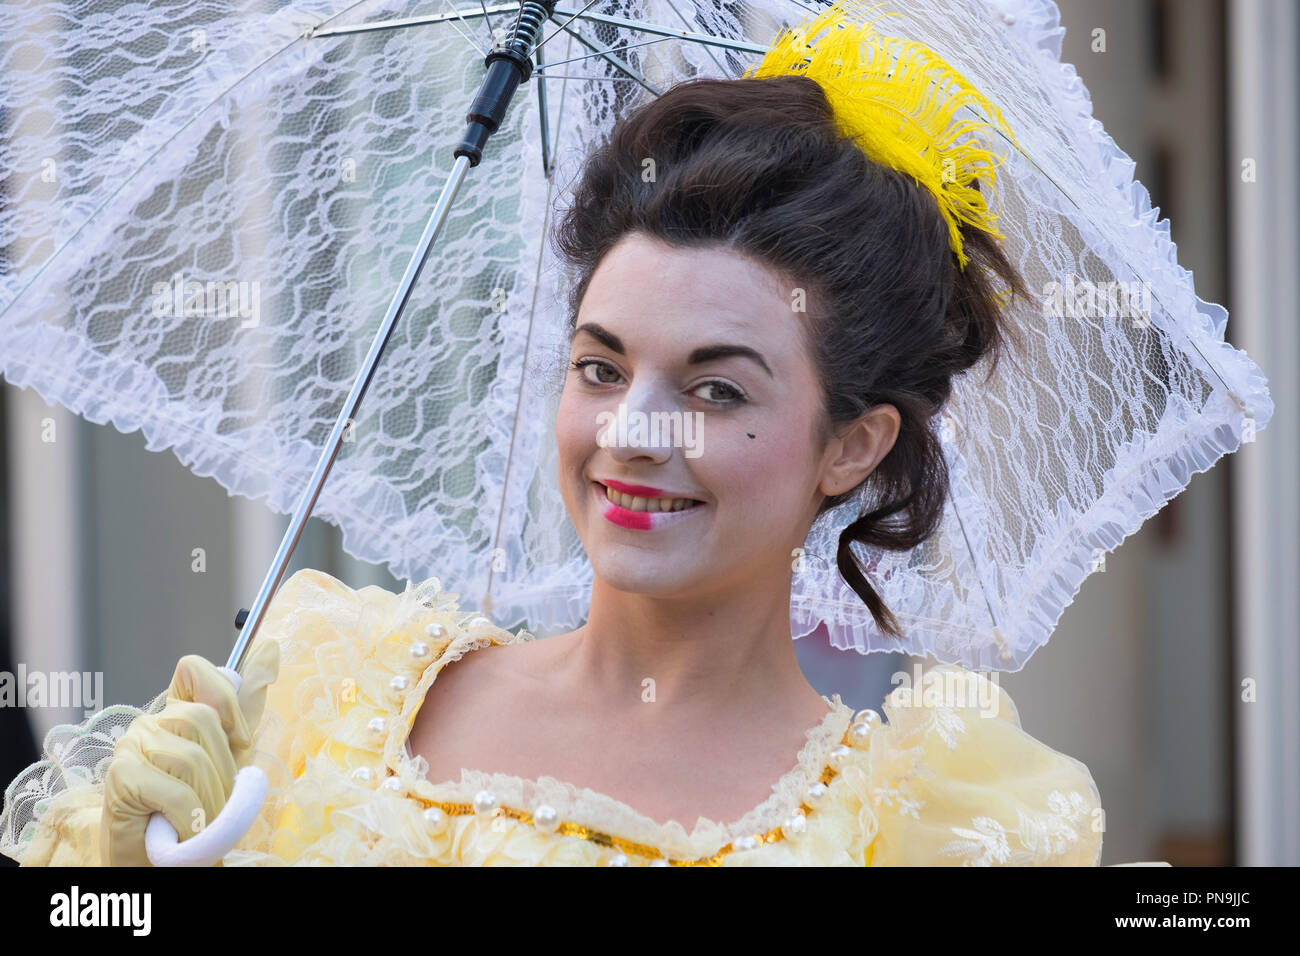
(618, 859)
(795, 824)
(479, 622)
(362, 775)
(817, 794)
(392, 783)
(546, 818)
(860, 735)
(1008, 19)
(419, 650)
(485, 801)
(376, 725)
(867, 716)
(435, 819)
(744, 843)
(400, 682)
(658, 861)
(435, 630)
(840, 755)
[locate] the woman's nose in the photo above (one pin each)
(644, 423)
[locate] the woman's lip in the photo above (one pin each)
(640, 520)
(643, 491)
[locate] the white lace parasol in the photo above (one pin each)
(147, 146)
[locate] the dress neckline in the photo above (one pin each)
(594, 807)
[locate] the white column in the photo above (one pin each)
(45, 522)
(1262, 108)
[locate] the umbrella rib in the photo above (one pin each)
(984, 587)
(575, 76)
(548, 160)
(544, 121)
(403, 22)
(681, 16)
(468, 39)
(564, 94)
(617, 61)
(519, 394)
(707, 39)
(564, 24)
(587, 56)
(486, 16)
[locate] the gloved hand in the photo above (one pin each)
(184, 758)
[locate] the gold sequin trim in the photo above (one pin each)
(566, 828)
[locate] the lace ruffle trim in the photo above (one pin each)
(589, 807)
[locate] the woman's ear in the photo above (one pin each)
(857, 448)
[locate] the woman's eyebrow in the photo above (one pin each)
(708, 353)
(705, 353)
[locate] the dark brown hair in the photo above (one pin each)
(759, 165)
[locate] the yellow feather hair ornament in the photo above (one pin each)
(897, 99)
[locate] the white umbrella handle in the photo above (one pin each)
(162, 843)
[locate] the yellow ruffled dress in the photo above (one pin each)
(930, 785)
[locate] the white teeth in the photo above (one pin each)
(637, 503)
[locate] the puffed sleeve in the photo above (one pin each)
(954, 780)
(52, 809)
(330, 638)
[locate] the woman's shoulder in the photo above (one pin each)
(952, 778)
(313, 608)
(329, 629)
(352, 653)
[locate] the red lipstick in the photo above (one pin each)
(644, 491)
(639, 520)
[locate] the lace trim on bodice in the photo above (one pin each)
(590, 807)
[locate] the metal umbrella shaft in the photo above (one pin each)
(508, 65)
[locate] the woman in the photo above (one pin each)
(741, 264)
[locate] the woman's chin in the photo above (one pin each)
(651, 578)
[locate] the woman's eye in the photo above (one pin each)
(583, 364)
(729, 393)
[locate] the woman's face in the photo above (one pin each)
(705, 344)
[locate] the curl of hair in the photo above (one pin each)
(758, 165)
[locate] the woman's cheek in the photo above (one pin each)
(574, 435)
(768, 474)
(751, 466)
(573, 448)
